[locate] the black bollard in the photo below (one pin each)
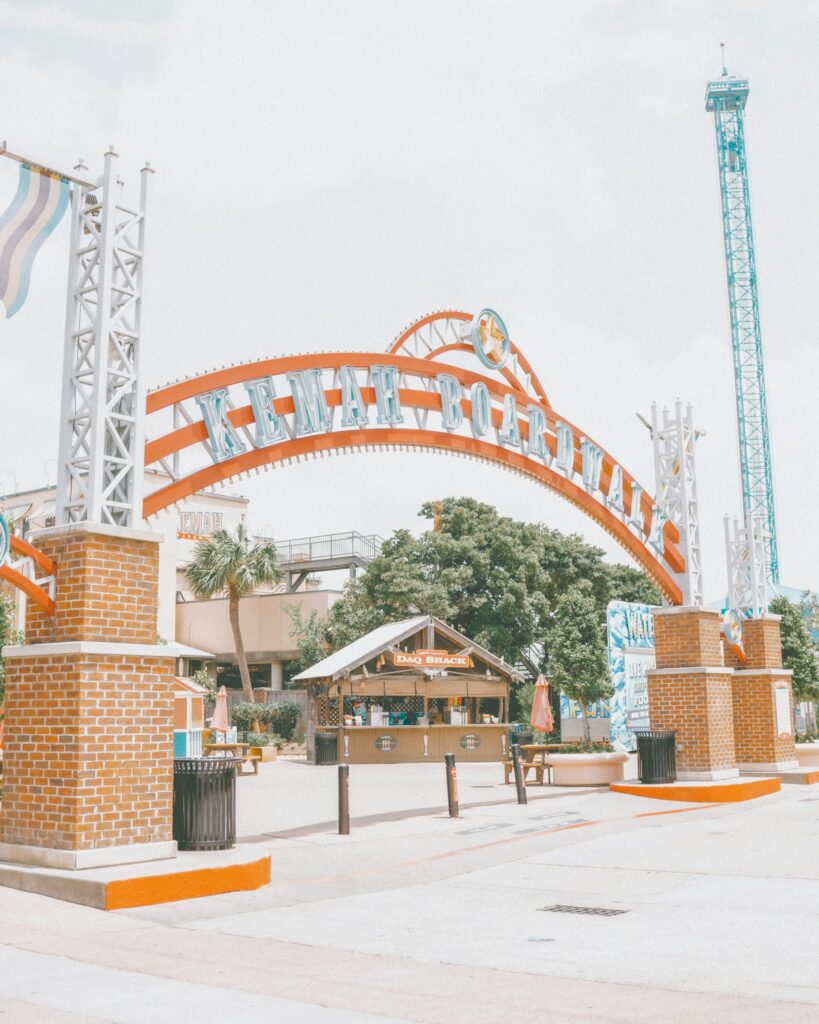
(520, 782)
(343, 799)
(451, 784)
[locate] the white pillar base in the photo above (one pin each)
(772, 766)
(77, 860)
(716, 776)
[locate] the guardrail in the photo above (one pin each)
(329, 546)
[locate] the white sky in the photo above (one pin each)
(329, 172)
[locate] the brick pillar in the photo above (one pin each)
(763, 701)
(690, 690)
(88, 760)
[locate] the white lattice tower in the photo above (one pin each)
(102, 408)
(745, 554)
(675, 468)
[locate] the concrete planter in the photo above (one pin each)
(807, 754)
(587, 769)
(265, 753)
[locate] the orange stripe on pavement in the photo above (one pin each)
(709, 792)
(186, 885)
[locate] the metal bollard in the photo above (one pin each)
(343, 799)
(520, 782)
(451, 784)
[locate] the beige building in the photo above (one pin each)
(266, 624)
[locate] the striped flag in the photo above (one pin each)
(35, 211)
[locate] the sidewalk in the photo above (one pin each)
(416, 917)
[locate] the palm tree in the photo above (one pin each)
(233, 564)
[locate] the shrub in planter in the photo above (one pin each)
(245, 714)
(598, 747)
(284, 719)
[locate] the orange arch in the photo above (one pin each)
(452, 314)
(23, 583)
(427, 439)
(184, 437)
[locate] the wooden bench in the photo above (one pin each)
(251, 759)
(527, 766)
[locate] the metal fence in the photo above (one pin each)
(329, 545)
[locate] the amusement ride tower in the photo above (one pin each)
(726, 98)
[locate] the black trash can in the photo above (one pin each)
(519, 733)
(657, 754)
(326, 748)
(204, 802)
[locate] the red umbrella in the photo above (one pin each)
(221, 720)
(542, 718)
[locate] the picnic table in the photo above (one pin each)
(240, 750)
(533, 758)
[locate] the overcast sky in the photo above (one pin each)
(329, 172)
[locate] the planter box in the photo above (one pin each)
(807, 754)
(265, 753)
(587, 769)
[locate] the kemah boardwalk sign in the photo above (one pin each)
(452, 382)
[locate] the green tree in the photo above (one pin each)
(577, 653)
(231, 563)
(352, 617)
(308, 632)
(496, 579)
(797, 650)
(8, 635)
(809, 607)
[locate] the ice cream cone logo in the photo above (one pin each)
(490, 339)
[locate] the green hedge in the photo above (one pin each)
(281, 719)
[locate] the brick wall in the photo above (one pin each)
(762, 641)
(699, 706)
(757, 737)
(687, 637)
(88, 751)
(88, 760)
(107, 588)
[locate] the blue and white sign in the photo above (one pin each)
(630, 629)
(5, 539)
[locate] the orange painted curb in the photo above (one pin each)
(710, 792)
(812, 778)
(186, 885)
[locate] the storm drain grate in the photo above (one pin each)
(562, 908)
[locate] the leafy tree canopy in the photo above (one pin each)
(797, 650)
(494, 578)
(8, 635)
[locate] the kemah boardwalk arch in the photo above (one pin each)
(452, 382)
(31, 571)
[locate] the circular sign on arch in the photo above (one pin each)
(490, 339)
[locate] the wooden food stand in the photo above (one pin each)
(411, 691)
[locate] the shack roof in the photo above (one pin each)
(369, 646)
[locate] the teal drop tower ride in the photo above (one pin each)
(726, 99)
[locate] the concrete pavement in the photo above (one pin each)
(417, 917)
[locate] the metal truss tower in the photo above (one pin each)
(675, 469)
(103, 406)
(745, 554)
(726, 99)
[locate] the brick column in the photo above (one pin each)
(763, 701)
(690, 691)
(88, 760)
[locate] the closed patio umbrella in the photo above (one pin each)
(542, 718)
(221, 719)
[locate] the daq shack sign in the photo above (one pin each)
(453, 382)
(430, 659)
